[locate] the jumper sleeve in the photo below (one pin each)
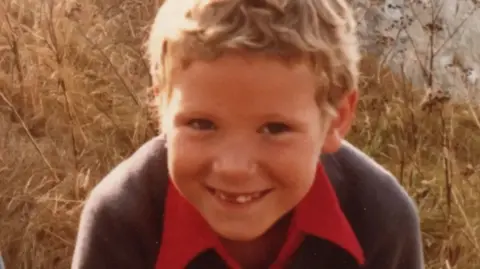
(401, 247)
(121, 222)
(107, 237)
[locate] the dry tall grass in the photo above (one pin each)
(72, 105)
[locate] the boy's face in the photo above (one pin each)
(244, 135)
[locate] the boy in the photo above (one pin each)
(251, 94)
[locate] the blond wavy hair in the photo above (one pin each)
(319, 32)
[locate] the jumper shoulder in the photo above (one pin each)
(383, 216)
(120, 225)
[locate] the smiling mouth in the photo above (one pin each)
(238, 198)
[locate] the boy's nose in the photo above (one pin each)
(235, 163)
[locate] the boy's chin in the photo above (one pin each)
(241, 233)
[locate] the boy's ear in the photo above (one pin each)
(341, 124)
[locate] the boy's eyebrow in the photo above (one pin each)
(186, 113)
(297, 121)
(282, 117)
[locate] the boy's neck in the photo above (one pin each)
(263, 251)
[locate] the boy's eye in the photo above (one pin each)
(201, 124)
(275, 128)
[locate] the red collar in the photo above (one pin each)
(186, 233)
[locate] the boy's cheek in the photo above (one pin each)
(185, 155)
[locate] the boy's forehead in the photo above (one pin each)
(246, 68)
(245, 85)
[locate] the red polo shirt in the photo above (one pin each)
(186, 234)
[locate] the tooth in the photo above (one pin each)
(221, 195)
(243, 199)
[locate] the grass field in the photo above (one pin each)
(73, 104)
